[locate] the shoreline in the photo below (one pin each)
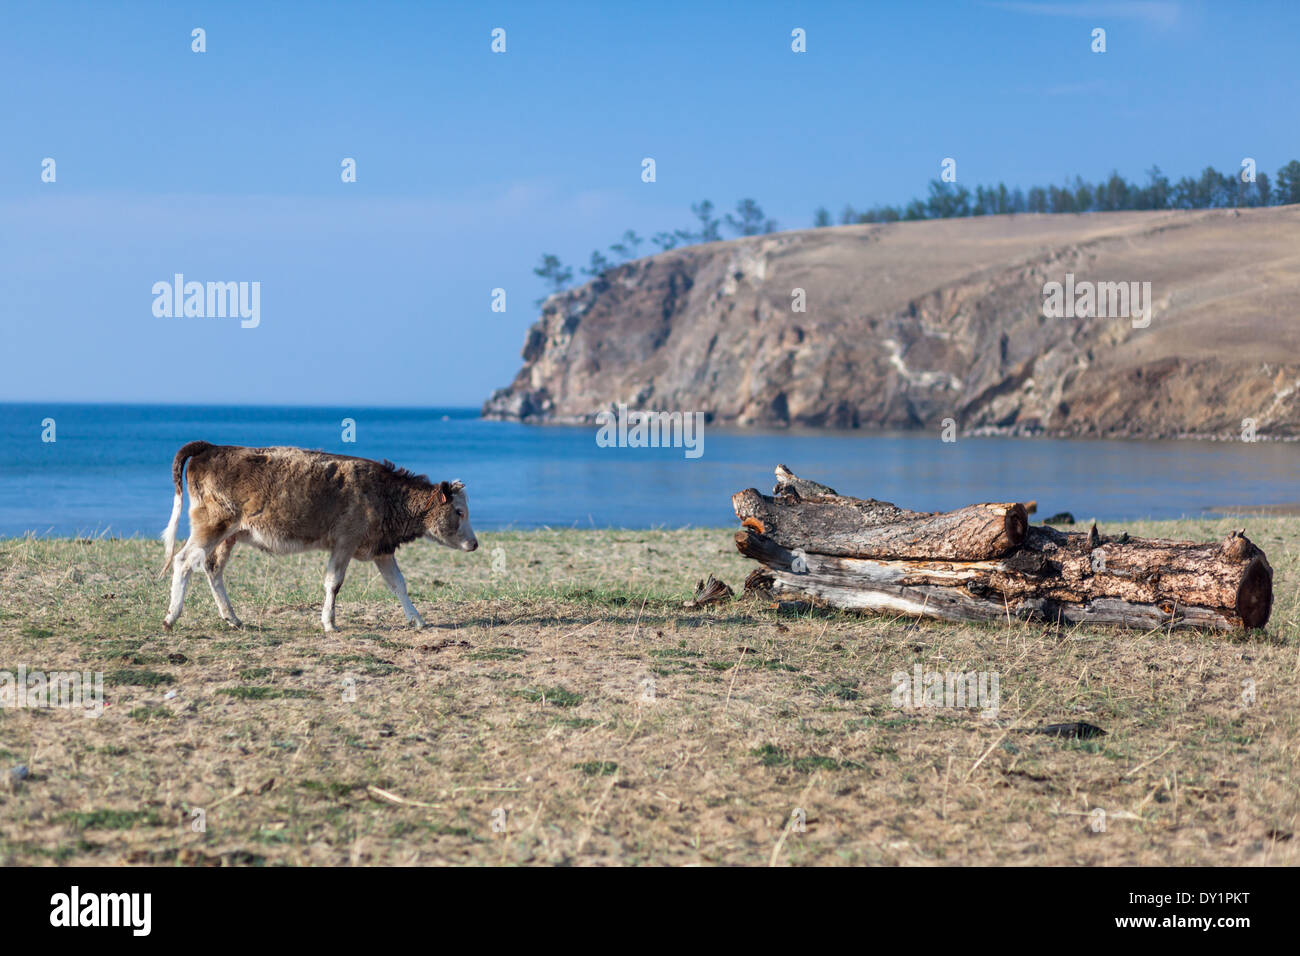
(1210, 514)
(733, 427)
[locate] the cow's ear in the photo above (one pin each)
(444, 493)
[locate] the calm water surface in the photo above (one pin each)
(109, 471)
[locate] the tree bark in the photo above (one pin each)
(1052, 576)
(852, 527)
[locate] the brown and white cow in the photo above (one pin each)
(285, 500)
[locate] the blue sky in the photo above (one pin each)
(225, 165)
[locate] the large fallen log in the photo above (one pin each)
(1048, 575)
(852, 527)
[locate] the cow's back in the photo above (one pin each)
(287, 498)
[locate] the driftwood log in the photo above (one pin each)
(854, 528)
(985, 563)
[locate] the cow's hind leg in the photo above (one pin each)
(180, 581)
(203, 541)
(215, 567)
(392, 575)
(334, 573)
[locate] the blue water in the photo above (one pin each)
(109, 469)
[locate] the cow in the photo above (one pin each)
(285, 500)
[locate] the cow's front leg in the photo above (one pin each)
(334, 573)
(392, 575)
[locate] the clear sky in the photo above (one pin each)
(225, 165)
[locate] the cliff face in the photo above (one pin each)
(908, 324)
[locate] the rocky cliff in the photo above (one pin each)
(908, 324)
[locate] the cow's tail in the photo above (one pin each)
(178, 470)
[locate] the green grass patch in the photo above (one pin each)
(497, 654)
(111, 819)
(770, 755)
(147, 713)
(137, 677)
(551, 695)
(596, 768)
(578, 723)
(843, 689)
(329, 788)
(255, 692)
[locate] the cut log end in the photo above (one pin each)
(1255, 594)
(1015, 525)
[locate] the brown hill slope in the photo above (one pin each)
(911, 323)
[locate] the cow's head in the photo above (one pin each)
(448, 520)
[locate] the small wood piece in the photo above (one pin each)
(710, 591)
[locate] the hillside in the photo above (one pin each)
(910, 323)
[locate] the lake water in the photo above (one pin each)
(109, 469)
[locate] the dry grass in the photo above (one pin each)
(527, 703)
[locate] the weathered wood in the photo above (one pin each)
(1053, 576)
(853, 527)
(984, 562)
(787, 481)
